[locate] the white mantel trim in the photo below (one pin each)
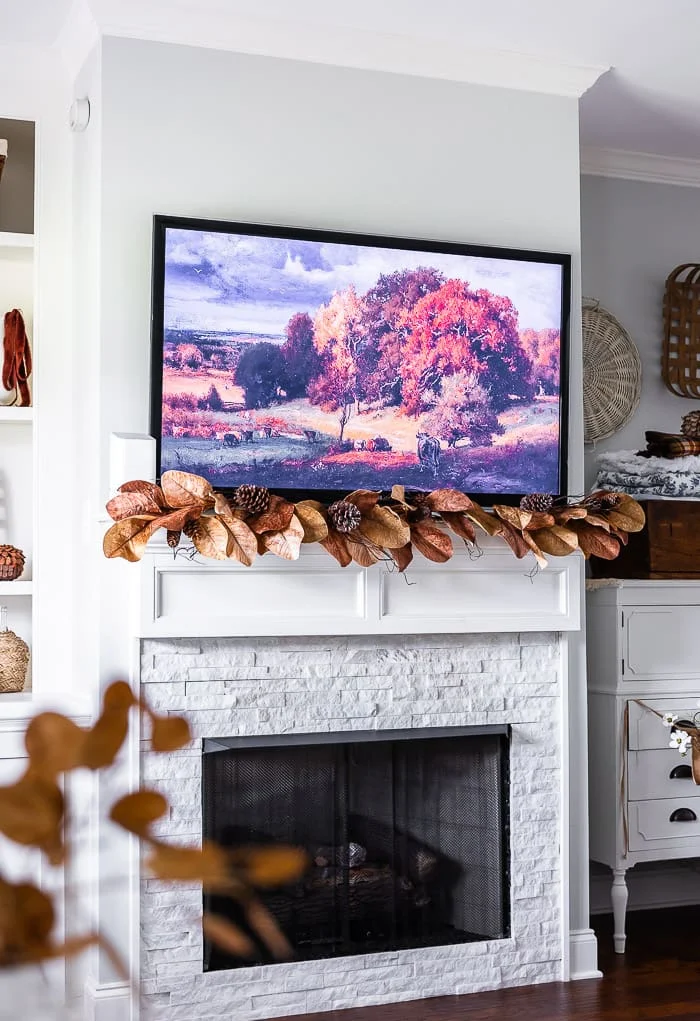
(640, 166)
(191, 23)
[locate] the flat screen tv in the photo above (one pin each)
(310, 361)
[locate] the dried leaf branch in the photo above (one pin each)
(364, 527)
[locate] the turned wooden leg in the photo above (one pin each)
(619, 897)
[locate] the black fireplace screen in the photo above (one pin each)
(407, 838)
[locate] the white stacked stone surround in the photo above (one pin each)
(243, 687)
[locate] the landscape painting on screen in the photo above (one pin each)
(307, 364)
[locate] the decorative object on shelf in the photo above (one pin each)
(645, 476)
(364, 527)
(35, 812)
(3, 155)
(17, 358)
(11, 562)
(684, 734)
(612, 373)
(690, 425)
(14, 658)
(680, 360)
(670, 446)
(668, 548)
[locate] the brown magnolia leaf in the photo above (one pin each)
(515, 516)
(450, 500)
(128, 538)
(460, 525)
(620, 534)
(364, 499)
(557, 540)
(540, 519)
(312, 520)
(26, 919)
(597, 543)
(275, 519)
(514, 538)
(384, 528)
(227, 936)
(54, 744)
(242, 543)
(103, 742)
(336, 545)
(208, 864)
(286, 544)
(490, 524)
(138, 811)
(598, 521)
(169, 733)
(265, 926)
(149, 489)
(627, 514)
(182, 489)
(402, 556)
(570, 513)
(270, 866)
(364, 553)
(31, 813)
(118, 695)
(177, 519)
(432, 542)
(127, 505)
(534, 548)
(398, 493)
(211, 537)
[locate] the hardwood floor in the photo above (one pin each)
(658, 978)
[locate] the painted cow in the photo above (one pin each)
(232, 440)
(428, 451)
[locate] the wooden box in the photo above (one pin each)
(669, 546)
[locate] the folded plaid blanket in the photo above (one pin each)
(669, 445)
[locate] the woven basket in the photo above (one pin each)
(14, 660)
(612, 373)
(680, 362)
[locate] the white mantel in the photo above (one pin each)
(479, 591)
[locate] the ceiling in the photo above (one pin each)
(649, 101)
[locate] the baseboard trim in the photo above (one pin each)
(107, 1001)
(583, 955)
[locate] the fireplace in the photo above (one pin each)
(406, 834)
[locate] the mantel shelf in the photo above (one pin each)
(15, 415)
(8, 240)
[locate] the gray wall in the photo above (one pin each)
(17, 188)
(632, 235)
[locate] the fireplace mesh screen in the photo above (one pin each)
(407, 839)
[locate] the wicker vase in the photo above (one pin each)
(14, 658)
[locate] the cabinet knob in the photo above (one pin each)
(682, 772)
(683, 815)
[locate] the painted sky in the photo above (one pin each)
(244, 283)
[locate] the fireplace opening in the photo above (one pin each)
(406, 834)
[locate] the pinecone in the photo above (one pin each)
(419, 513)
(344, 516)
(254, 499)
(173, 537)
(600, 502)
(190, 529)
(690, 425)
(538, 502)
(11, 563)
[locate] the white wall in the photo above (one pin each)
(204, 133)
(633, 235)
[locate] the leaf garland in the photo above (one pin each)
(390, 528)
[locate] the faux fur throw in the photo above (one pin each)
(17, 358)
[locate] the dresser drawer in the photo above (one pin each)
(649, 776)
(661, 642)
(650, 826)
(646, 730)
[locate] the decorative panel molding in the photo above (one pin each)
(313, 596)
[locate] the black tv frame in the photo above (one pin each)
(161, 223)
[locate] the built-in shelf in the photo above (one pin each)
(13, 414)
(8, 240)
(15, 588)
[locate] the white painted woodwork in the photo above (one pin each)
(642, 642)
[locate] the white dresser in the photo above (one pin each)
(643, 646)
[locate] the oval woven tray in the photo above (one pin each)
(612, 373)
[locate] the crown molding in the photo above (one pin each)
(640, 166)
(194, 23)
(79, 35)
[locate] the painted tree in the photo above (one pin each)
(302, 360)
(543, 350)
(339, 335)
(383, 308)
(454, 329)
(188, 356)
(261, 372)
(462, 410)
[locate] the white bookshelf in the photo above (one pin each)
(11, 415)
(13, 239)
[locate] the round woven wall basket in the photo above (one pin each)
(612, 373)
